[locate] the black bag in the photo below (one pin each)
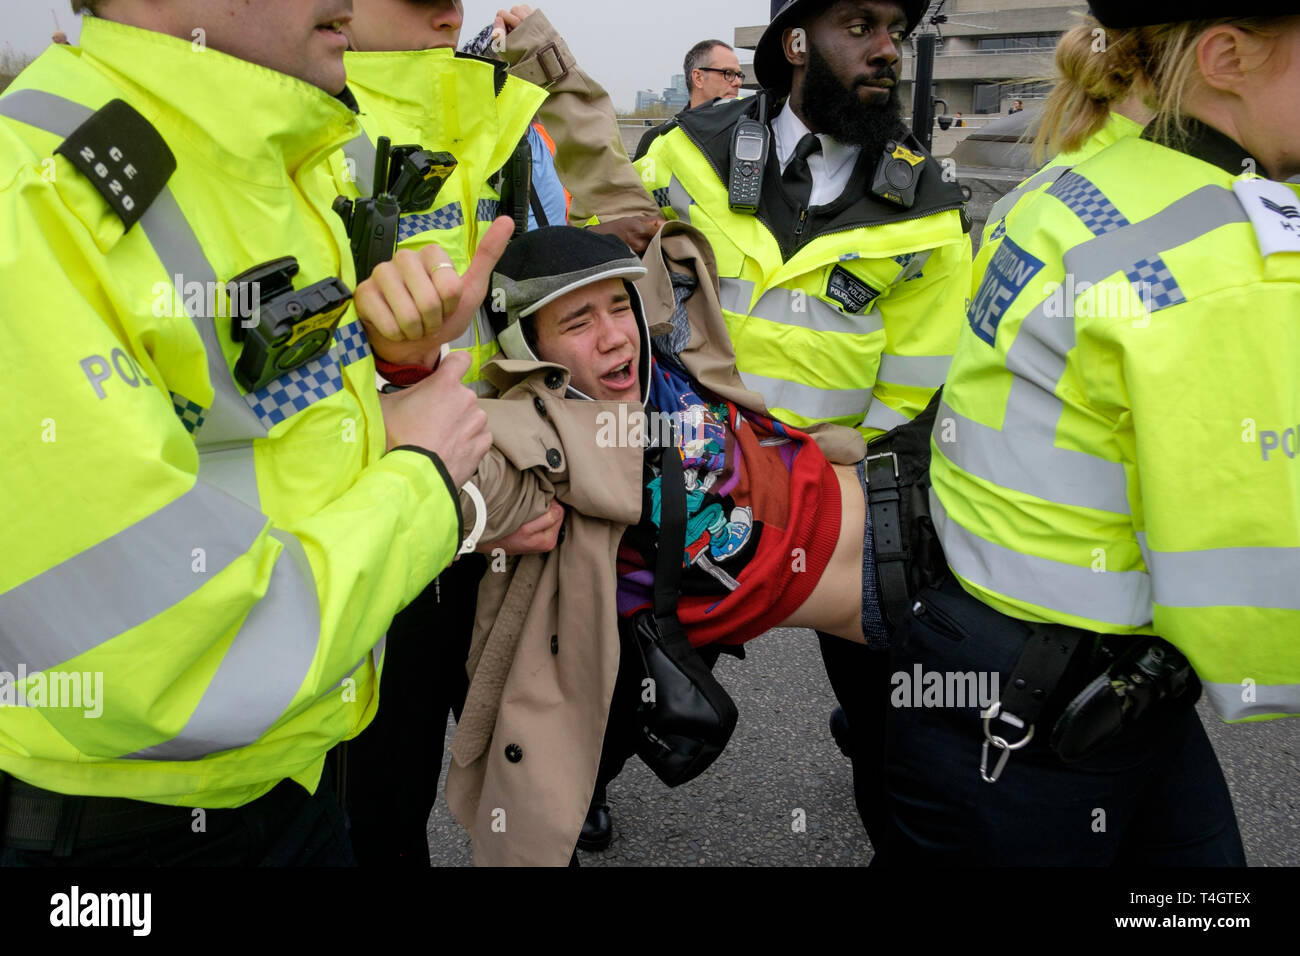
(688, 717)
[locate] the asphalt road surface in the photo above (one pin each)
(782, 759)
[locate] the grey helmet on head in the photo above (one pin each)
(544, 264)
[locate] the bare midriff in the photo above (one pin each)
(835, 605)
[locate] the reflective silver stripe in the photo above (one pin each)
(795, 307)
(807, 400)
(1118, 598)
(125, 580)
(263, 667)
(1225, 577)
(679, 199)
(1181, 222)
(1044, 177)
(804, 310)
(465, 340)
(360, 153)
(735, 295)
(230, 419)
(482, 388)
(54, 114)
(377, 653)
(1028, 460)
(1269, 699)
(921, 371)
(231, 468)
(485, 333)
(881, 416)
(1037, 359)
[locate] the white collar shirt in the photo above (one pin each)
(831, 168)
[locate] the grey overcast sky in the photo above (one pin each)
(626, 46)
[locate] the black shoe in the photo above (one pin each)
(840, 731)
(598, 828)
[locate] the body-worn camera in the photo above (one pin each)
(897, 174)
(417, 176)
(285, 328)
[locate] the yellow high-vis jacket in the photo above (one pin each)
(215, 567)
(442, 101)
(854, 324)
(1117, 444)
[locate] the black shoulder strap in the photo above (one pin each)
(125, 158)
(672, 531)
(535, 201)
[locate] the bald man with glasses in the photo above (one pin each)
(712, 73)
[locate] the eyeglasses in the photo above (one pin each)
(731, 75)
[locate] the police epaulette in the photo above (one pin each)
(125, 158)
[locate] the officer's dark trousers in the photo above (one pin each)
(859, 677)
(1153, 796)
(392, 768)
(286, 827)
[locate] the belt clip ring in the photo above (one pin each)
(1000, 743)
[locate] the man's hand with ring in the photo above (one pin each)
(414, 303)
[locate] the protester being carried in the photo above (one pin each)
(777, 530)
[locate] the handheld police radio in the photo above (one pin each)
(749, 147)
(897, 174)
(371, 223)
(281, 329)
(517, 186)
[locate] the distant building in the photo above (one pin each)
(645, 99)
(990, 54)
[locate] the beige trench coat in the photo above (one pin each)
(545, 650)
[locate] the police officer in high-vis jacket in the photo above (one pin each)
(208, 522)
(842, 252)
(1116, 485)
(468, 115)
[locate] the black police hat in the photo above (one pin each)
(770, 65)
(1136, 13)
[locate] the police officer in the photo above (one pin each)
(212, 522)
(844, 266)
(412, 86)
(1114, 485)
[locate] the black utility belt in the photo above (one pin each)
(1126, 678)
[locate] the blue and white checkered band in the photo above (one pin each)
(1087, 202)
(320, 378)
(1150, 276)
(447, 217)
(487, 209)
(1155, 284)
(661, 198)
(999, 230)
(191, 415)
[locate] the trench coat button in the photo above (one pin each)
(554, 380)
(553, 458)
(514, 753)
(555, 643)
(540, 406)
